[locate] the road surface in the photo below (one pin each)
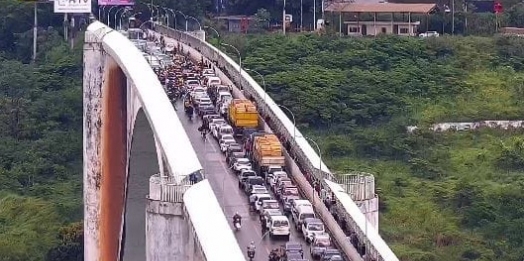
(233, 200)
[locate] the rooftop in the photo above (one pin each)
(380, 8)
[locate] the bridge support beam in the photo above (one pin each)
(105, 152)
(167, 231)
(92, 96)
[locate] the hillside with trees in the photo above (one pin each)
(40, 139)
(444, 196)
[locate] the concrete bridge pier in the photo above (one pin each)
(167, 230)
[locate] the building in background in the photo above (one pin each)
(380, 18)
(237, 23)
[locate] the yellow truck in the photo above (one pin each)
(243, 114)
(267, 152)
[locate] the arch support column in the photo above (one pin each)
(105, 152)
(92, 97)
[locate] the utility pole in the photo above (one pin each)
(35, 31)
(65, 27)
(284, 18)
(301, 11)
(314, 15)
(452, 17)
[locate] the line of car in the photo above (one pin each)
(272, 195)
(263, 201)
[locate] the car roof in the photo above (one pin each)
(280, 218)
(271, 201)
(313, 220)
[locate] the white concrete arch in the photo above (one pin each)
(118, 82)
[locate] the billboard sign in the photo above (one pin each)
(73, 6)
(116, 2)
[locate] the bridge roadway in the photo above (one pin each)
(223, 181)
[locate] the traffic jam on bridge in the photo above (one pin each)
(253, 156)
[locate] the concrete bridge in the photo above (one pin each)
(174, 220)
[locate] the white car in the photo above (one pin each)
(222, 131)
(257, 189)
(429, 34)
(225, 141)
(216, 122)
(205, 101)
(242, 163)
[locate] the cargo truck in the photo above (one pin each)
(242, 115)
(266, 153)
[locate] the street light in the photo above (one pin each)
(292, 117)
(239, 58)
(185, 18)
(214, 30)
(263, 81)
(196, 20)
(174, 16)
(158, 8)
(108, 15)
(116, 15)
(319, 165)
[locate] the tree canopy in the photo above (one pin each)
(40, 134)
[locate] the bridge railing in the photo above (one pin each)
(299, 147)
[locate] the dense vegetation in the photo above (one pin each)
(444, 196)
(40, 139)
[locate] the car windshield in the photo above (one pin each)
(322, 242)
(228, 140)
(280, 223)
(308, 215)
(315, 227)
(271, 205)
(293, 246)
(256, 182)
(259, 190)
(243, 161)
(226, 130)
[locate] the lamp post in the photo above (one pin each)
(239, 62)
(108, 15)
(292, 117)
(214, 30)
(158, 8)
(284, 18)
(263, 81)
(320, 163)
(185, 18)
(174, 16)
(116, 15)
(196, 20)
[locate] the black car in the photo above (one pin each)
(235, 147)
(231, 158)
(329, 253)
(294, 247)
(250, 181)
(294, 256)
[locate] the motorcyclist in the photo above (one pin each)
(251, 249)
(237, 218)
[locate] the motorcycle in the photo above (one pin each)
(237, 225)
(251, 254)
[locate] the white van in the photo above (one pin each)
(213, 80)
(312, 227)
(278, 226)
(301, 214)
(223, 96)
